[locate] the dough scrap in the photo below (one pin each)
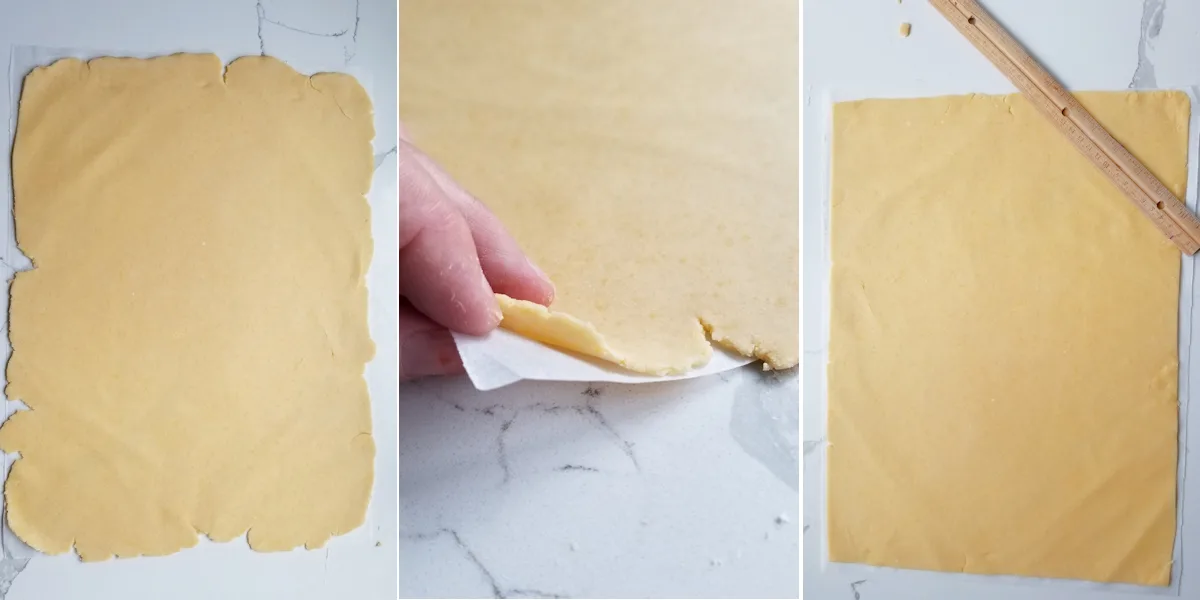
(644, 154)
(192, 339)
(1003, 356)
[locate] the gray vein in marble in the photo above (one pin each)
(597, 418)
(423, 537)
(262, 45)
(810, 445)
(382, 156)
(502, 449)
(509, 414)
(466, 550)
(1151, 26)
(458, 541)
(493, 583)
(9, 569)
(626, 445)
(349, 53)
(528, 593)
(357, 19)
(334, 34)
(577, 468)
(489, 410)
(592, 392)
(854, 588)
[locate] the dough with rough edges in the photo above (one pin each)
(191, 341)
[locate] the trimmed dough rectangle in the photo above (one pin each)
(1003, 345)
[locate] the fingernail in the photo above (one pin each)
(429, 353)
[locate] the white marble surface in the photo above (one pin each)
(852, 49)
(674, 489)
(358, 35)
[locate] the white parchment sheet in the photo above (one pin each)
(914, 579)
(383, 192)
(503, 357)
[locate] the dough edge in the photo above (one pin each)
(567, 332)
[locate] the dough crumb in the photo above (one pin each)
(905, 29)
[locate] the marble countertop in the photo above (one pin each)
(358, 36)
(547, 490)
(853, 50)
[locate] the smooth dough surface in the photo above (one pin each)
(1003, 350)
(191, 341)
(644, 154)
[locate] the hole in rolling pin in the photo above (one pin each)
(1064, 111)
(971, 20)
(1159, 205)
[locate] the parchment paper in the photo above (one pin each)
(503, 357)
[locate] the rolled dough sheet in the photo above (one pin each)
(644, 154)
(1003, 345)
(191, 341)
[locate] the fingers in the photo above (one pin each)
(426, 348)
(440, 271)
(507, 268)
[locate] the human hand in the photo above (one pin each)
(454, 254)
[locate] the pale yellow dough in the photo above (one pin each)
(192, 339)
(644, 154)
(1003, 354)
